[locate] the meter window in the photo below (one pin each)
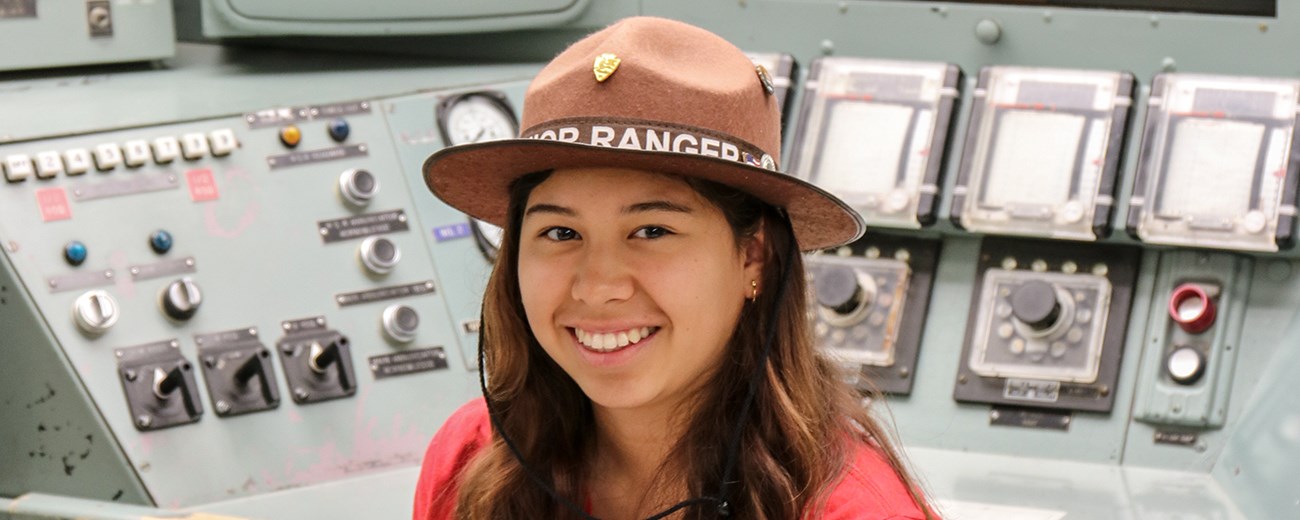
(862, 150)
(1033, 159)
(1212, 166)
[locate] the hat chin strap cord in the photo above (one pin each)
(733, 447)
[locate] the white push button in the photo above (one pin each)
(166, 149)
(194, 146)
(77, 161)
(108, 156)
(137, 153)
(48, 164)
(1185, 365)
(223, 142)
(18, 167)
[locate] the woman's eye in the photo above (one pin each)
(560, 234)
(651, 232)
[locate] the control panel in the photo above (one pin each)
(213, 281)
(84, 32)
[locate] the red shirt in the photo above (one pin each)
(868, 490)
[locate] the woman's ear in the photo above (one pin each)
(755, 256)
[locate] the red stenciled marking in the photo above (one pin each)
(202, 186)
(1211, 115)
(54, 204)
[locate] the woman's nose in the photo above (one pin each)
(601, 277)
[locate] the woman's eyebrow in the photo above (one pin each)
(657, 205)
(550, 208)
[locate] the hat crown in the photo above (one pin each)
(668, 72)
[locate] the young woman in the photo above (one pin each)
(645, 344)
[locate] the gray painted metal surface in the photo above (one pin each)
(61, 34)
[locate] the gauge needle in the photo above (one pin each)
(479, 135)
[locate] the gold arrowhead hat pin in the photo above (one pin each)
(605, 66)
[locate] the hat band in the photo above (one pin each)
(651, 136)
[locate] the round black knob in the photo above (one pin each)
(181, 299)
(1035, 304)
(839, 290)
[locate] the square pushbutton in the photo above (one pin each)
(18, 168)
(194, 146)
(108, 156)
(48, 164)
(223, 142)
(136, 153)
(166, 149)
(77, 161)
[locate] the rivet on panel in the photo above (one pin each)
(828, 47)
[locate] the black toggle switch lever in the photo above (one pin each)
(166, 382)
(322, 357)
(252, 366)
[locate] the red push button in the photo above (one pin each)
(1191, 308)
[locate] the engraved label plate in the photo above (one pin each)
(155, 351)
(1031, 390)
(408, 362)
(384, 293)
(275, 116)
(471, 326)
(80, 280)
(314, 156)
(304, 325)
(224, 338)
(1026, 418)
(1176, 438)
(126, 186)
(17, 8)
(362, 226)
(163, 268)
(339, 109)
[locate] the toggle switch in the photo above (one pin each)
(1191, 308)
(165, 382)
(321, 357)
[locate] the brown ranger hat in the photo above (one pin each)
(648, 94)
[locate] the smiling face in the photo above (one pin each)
(632, 282)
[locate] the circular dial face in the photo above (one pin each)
(478, 118)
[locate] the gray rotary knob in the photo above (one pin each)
(357, 186)
(840, 289)
(380, 255)
(401, 322)
(95, 312)
(181, 299)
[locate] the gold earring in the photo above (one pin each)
(753, 294)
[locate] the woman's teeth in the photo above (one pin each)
(611, 341)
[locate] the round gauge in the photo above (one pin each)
(476, 117)
(488, 238)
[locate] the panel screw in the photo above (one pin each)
(300, 394)
(131, 375)
(143, 421)
(223, 407)
(994, 415)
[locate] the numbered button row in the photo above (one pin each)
(108, 156)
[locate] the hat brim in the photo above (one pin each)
(475, 178)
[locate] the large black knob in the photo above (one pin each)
(1035, 305)
(181, 299)
(839, 289)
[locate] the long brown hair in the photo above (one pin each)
(795, 440)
